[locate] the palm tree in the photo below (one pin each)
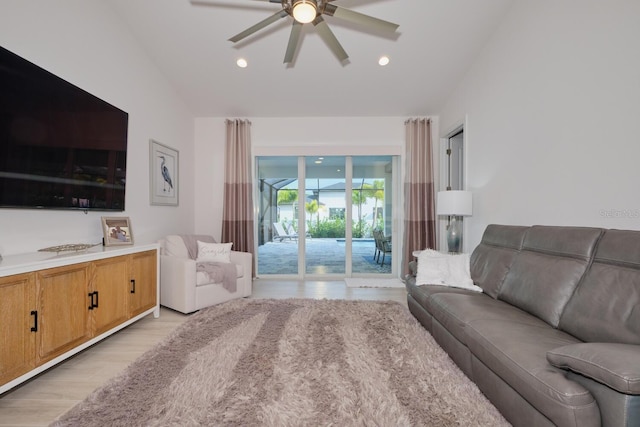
(287, 197)
(376, 191)
(358, 198)
(312, 207)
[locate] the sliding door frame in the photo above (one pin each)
(397, 201)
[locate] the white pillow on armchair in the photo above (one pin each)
(214, 252)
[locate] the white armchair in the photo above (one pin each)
(184, 289)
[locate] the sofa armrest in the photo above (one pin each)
(178, 283)
(413, 267)
(245, 259)
(615, 365)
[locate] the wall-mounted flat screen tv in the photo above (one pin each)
(60, 146)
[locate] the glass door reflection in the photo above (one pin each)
(325, 212)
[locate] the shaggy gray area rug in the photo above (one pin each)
(291, 363)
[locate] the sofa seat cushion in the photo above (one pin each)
(455, 311)
(203, 279)
(516, 351)
(422, 293)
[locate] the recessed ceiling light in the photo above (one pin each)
(384, 60)
(317, 162)
(242, 63)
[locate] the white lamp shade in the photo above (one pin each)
(454, 202)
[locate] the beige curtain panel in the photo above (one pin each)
(419, 196)
(237, 217)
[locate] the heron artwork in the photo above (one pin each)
(166, 176)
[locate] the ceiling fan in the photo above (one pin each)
(311, 11)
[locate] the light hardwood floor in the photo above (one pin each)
(39, 401)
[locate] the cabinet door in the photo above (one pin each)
(110, 283)
(143, 282)
(63, 306)
(17, 339)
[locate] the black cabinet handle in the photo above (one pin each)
(34, 328)
(133, 286)
(93, 303)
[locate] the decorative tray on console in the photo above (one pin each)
(71, 247)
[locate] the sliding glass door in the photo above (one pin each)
(325, 210)
(372, 201)
(325, 216)
(278, 215)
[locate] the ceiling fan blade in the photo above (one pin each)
(294, 38)
(228, 4)
(360, 18)
(260, 25)
(330, 39)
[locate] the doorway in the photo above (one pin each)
(452, 173)
(454, 160)
(317, 215)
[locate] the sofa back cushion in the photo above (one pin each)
(606, 305)
(174, 244)
(547, 270)
(492, 258)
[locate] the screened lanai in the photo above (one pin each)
(314, 229)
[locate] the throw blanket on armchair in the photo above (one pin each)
(217, 271)
(220, 272)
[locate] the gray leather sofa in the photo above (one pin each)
(554, 338)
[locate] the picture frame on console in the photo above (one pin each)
(163, 169)
(117, 231)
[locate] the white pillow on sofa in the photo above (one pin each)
(214, 252)
(436, 268)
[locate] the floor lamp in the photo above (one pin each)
(454, 204)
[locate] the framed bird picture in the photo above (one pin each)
(163, 168)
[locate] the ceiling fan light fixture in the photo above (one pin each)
(304, 11)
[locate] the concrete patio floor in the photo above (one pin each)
(323, 256)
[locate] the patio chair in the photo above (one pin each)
(383, 245)
(292, 232)
(281, 234)
(376, 237)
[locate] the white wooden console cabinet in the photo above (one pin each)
(54, 305)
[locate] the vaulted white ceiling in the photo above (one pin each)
(435, 44)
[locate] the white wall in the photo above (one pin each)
(83, 42)
(287, 136)
(553, 104)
